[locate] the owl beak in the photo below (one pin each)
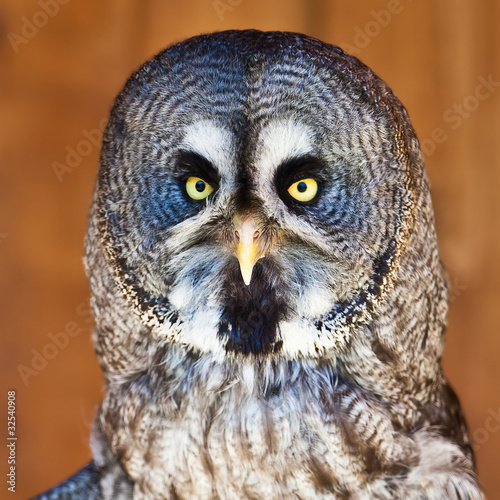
(248, 245)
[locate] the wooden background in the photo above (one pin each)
(59, 73)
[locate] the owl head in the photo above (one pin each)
(261, 194)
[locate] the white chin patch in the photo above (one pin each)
(200, 322)
(302, 339)
(299, 338)
(181, 296)
(314, 302)
(199, 332)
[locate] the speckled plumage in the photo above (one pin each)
(322, 377)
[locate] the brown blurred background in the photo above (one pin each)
(61, 65)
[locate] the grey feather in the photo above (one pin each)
(83, 485)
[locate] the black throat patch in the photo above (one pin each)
(252, 313)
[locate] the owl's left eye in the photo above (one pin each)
(304, 190)
(197, 188)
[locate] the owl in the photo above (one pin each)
(269, 301)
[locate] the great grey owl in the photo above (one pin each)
(268, 296)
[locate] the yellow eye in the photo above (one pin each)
(304, 190)
(197, 188)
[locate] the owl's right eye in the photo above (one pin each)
(198, 189)
(304, 190)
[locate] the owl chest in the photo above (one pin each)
(256, 449)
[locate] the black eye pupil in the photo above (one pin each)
(301, 187)
(200, 186)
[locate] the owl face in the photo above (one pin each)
(249, 198)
